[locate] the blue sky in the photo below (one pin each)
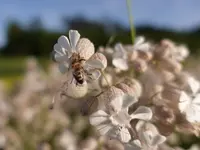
(176, 14)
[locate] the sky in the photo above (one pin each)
(175, 14)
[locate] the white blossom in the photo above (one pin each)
(65, 48)
(140, 44)
(148, 137)
(189, 104)
(117, 124)
(120, 57)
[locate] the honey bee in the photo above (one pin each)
(77, 63)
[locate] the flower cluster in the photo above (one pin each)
(149, 96)
(130, 97)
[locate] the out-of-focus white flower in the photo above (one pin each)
(120, 57)
(2, 141)
(117, 124)
(190, 104)
(140, 44)
(148, 136)
(180, 53)
(67, 140)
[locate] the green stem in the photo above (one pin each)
(128, 3)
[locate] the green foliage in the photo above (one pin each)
(38, 41)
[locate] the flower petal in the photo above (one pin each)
(124, 135)
(93, 64)
(120, 51)
(58, 49)
(158, 139)
(142, 113)
(128, 101)
(139, 40)
(98, 118)
(194, 84)
(184, 102)
(62, 68)
(120, 63)
(64, 42)
(60, 58)
(104, 128)
(143, 47)
(74, 37)
(116, 104)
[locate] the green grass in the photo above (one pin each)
(13, 68)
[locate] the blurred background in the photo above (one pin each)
(30, 28)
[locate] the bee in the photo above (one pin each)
(77, 63)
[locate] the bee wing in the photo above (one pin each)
(92, 75)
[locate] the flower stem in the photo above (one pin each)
(128, 3)
(105, 78)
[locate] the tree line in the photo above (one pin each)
(36, 40)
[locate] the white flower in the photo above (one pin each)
(117, 124)
(120, 57)
(180, 53)
(190, 104)
(140, 44)
(65, 51)
(148, 137)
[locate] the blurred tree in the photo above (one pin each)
(38, 41)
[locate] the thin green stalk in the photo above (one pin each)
(128, 3)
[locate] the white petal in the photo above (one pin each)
(64, 42)
(142, 113)
(104, 128)
(94, 64)
(138, 143)
(125, 135)
(128, 101)
(139, 40)
(98, 117)
(120, 51)
(146, 137)
(116, 104)
(60, 58)
(74, 37)
(140, 125)
(120, 63)
(63, 68)
(58, 49)
(194, 84)
(143, 47)
(184, 102)
(158, 139)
